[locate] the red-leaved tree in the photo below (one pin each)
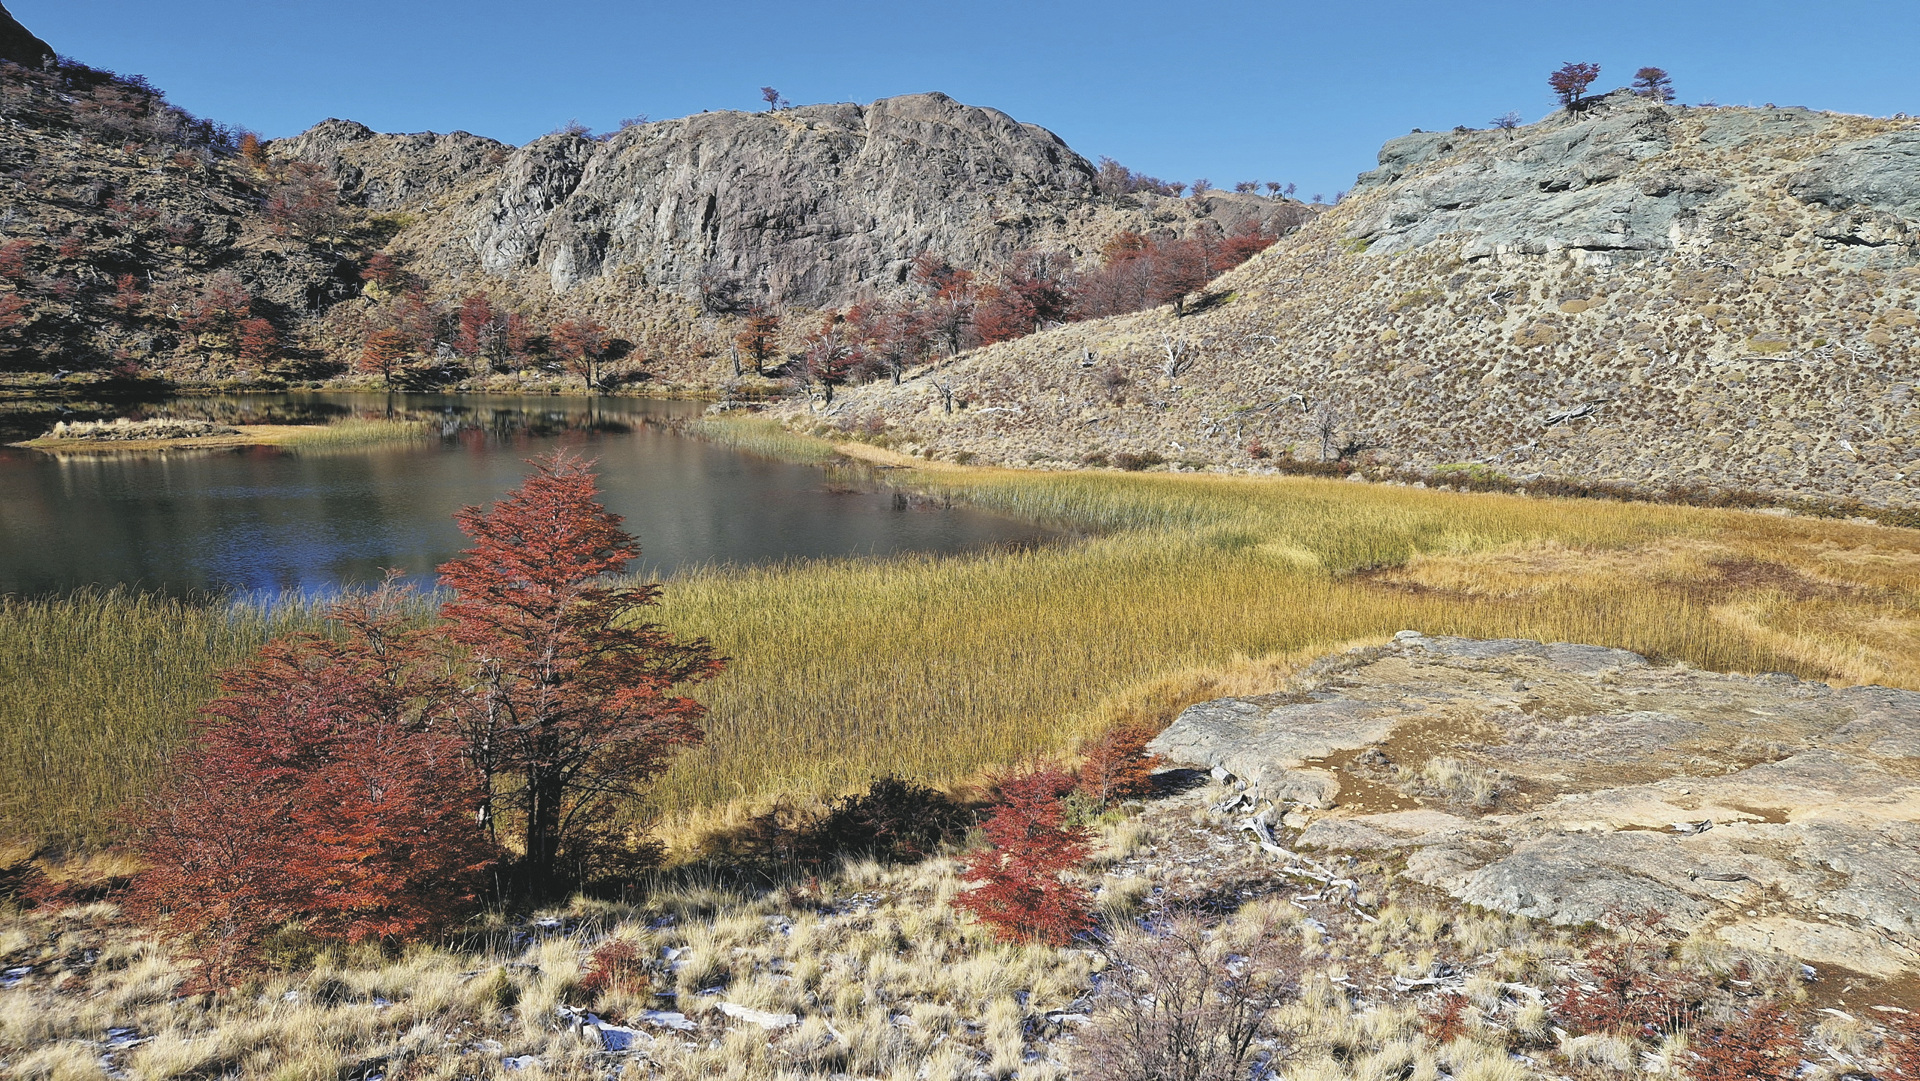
(1017, 885)
(571, 700)
(326, 787)
(1570, 80)
(1118, 765)
(582, 344)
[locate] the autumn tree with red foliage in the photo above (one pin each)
(826, 358)
(1032, 292)
(1118, 765)
(1017, 885)
(127, 297)
(383, 271)
(327, 787)
(756, 338)
(1570, 80)
(950, 305)
(259, 341)
(305, 203)
(571, 701)
(479, 326)
(386, 349)
(1762, 1044)
(582, 345)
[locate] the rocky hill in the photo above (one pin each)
(1633, 294)
(804, 208)
(143, 237)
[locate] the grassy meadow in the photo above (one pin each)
(1187, 587)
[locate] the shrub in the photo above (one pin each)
(892, 820)
(1758, 1045)
(1133, 463)
(1118, 765)
(1017, 888)
(1184, 1004)
(1632, 991)
(1903, 1047)
(616, 966)
(323, 789)
(1446, 1021)
(1257, 449)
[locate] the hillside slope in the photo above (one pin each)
(1634, 293)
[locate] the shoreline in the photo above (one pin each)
(248, 435)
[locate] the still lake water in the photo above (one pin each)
(272, 519)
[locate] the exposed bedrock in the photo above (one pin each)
(1558, 781)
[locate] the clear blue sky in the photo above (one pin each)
(1227, 90)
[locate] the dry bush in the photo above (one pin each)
(1758, 1045)
(1633, 992)
(1185, 1003)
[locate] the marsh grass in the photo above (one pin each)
(97, 687)
(360, 432)
(764, 437)
(937, 668)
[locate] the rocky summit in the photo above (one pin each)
(808, 207)
(1631, 293)
(1561, 781)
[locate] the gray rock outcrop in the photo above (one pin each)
(1558, 781)
(808, 206)
(1608, 180)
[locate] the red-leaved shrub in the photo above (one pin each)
(1631, 991)
(1446, 1021)
(615, 966)
(1017, 888)
(1903, 1047)
(1760, 1045)
(323, 789)
(1118, 765)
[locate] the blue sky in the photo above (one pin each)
(1227, 90)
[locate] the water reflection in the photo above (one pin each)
(262, 518)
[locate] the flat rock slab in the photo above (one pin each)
(1558, 781)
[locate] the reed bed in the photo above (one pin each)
(758, 435)
(97, 688)
(360, 432)
(938, 668)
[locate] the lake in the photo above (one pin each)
(272, 519)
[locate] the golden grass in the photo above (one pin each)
(757, 435)
(938, 668)
(96, 688)
(357, 432)
(1202, 586)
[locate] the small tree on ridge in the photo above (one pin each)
(1570, 81)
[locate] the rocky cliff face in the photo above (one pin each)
(1633, 294)
(806, 207)
(18, 45)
